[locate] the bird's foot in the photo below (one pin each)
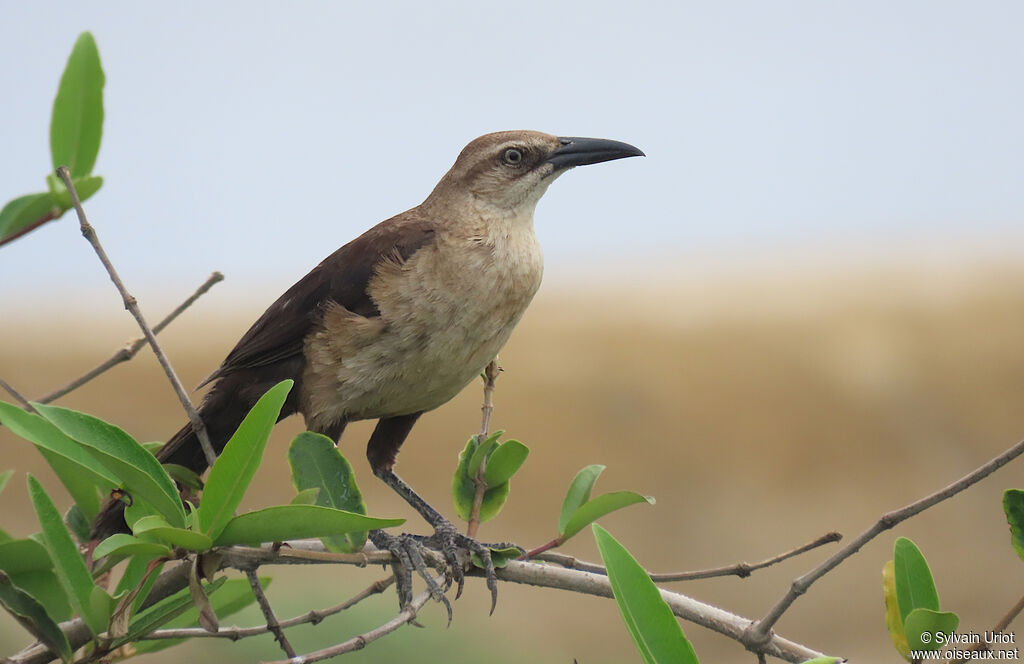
(407, 553)
(457, 550)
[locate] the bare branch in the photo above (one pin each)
(406, 615)
(129, 350)
(742, 570)
(236, 633)
(131, 305)
(490, 377)
(1000, 627)
(18, 396)
(761, 630)
(268, 612)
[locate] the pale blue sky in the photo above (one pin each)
(256, 137)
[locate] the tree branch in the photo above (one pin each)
(268, 612)
(131, 305)
(742, 570)
(49, 216)
(490, 377)
(129, 350)
(761, 630)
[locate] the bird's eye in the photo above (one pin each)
(512, 157)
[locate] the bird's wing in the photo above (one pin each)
(342, 277)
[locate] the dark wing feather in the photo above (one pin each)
(342, 277)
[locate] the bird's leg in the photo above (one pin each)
(382, 450)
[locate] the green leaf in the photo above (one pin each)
(157, 526)
(926, 621)
(892, 611)
(4, 477)
(129, 545)
(284, 522)
(135, 574)
(306, 497)
(650, 622)
(504, 462)
(77, 469)
(31, 615)
(68, 563)
(579, 493)
(79, 525)
(76, 125)
(1013, 505)
(594, 509)
(165, 610)
(914, 586)
(45, 588)
(140, 472)
(85, 186)
(499, 557)
(25, 211)
(24, 555)
(236, 465)
(318, 465)
(233, 596)
(184, 476)
(481, 452)
(464, 489)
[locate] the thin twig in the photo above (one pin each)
(236, 633)
(268, 612)
(742, 570)
(490, 377)
(131, 305)
(760, 630)
(406, 615)
(999, 628)
(129, 350)
(18, 396)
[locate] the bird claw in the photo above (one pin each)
(455, 548)
(407, 556)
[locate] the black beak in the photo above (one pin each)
(577, 151)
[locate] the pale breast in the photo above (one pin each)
(444, 315)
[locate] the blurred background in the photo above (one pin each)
(804, 308)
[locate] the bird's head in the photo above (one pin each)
(511, 170)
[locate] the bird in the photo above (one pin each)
(398, 321)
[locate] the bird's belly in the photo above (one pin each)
(430, 341)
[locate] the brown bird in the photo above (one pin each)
(399, 320)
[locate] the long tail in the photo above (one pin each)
(223, 409)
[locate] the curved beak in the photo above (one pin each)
(576, 151)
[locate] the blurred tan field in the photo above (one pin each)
(761, 410)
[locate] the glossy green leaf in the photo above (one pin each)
(24, 555)
(655, 631)
(157, 526)
(45, 588)
(4, 477)
(74, 576)
(236, 465)
(481, 452)
(122, 544)
(25, 211)
(233, 596)
(893, 621)
(499, 557)
(922, 625)
(504, 461)
(579, 493)
(464, 489)
(141, 474)
(594, 509)
(914, 586)
(284, 522)
(76, 125)
(77, 469)
(184, 476)
(167, 609)
(318, 465)
(1013, 506)
(31, 615)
